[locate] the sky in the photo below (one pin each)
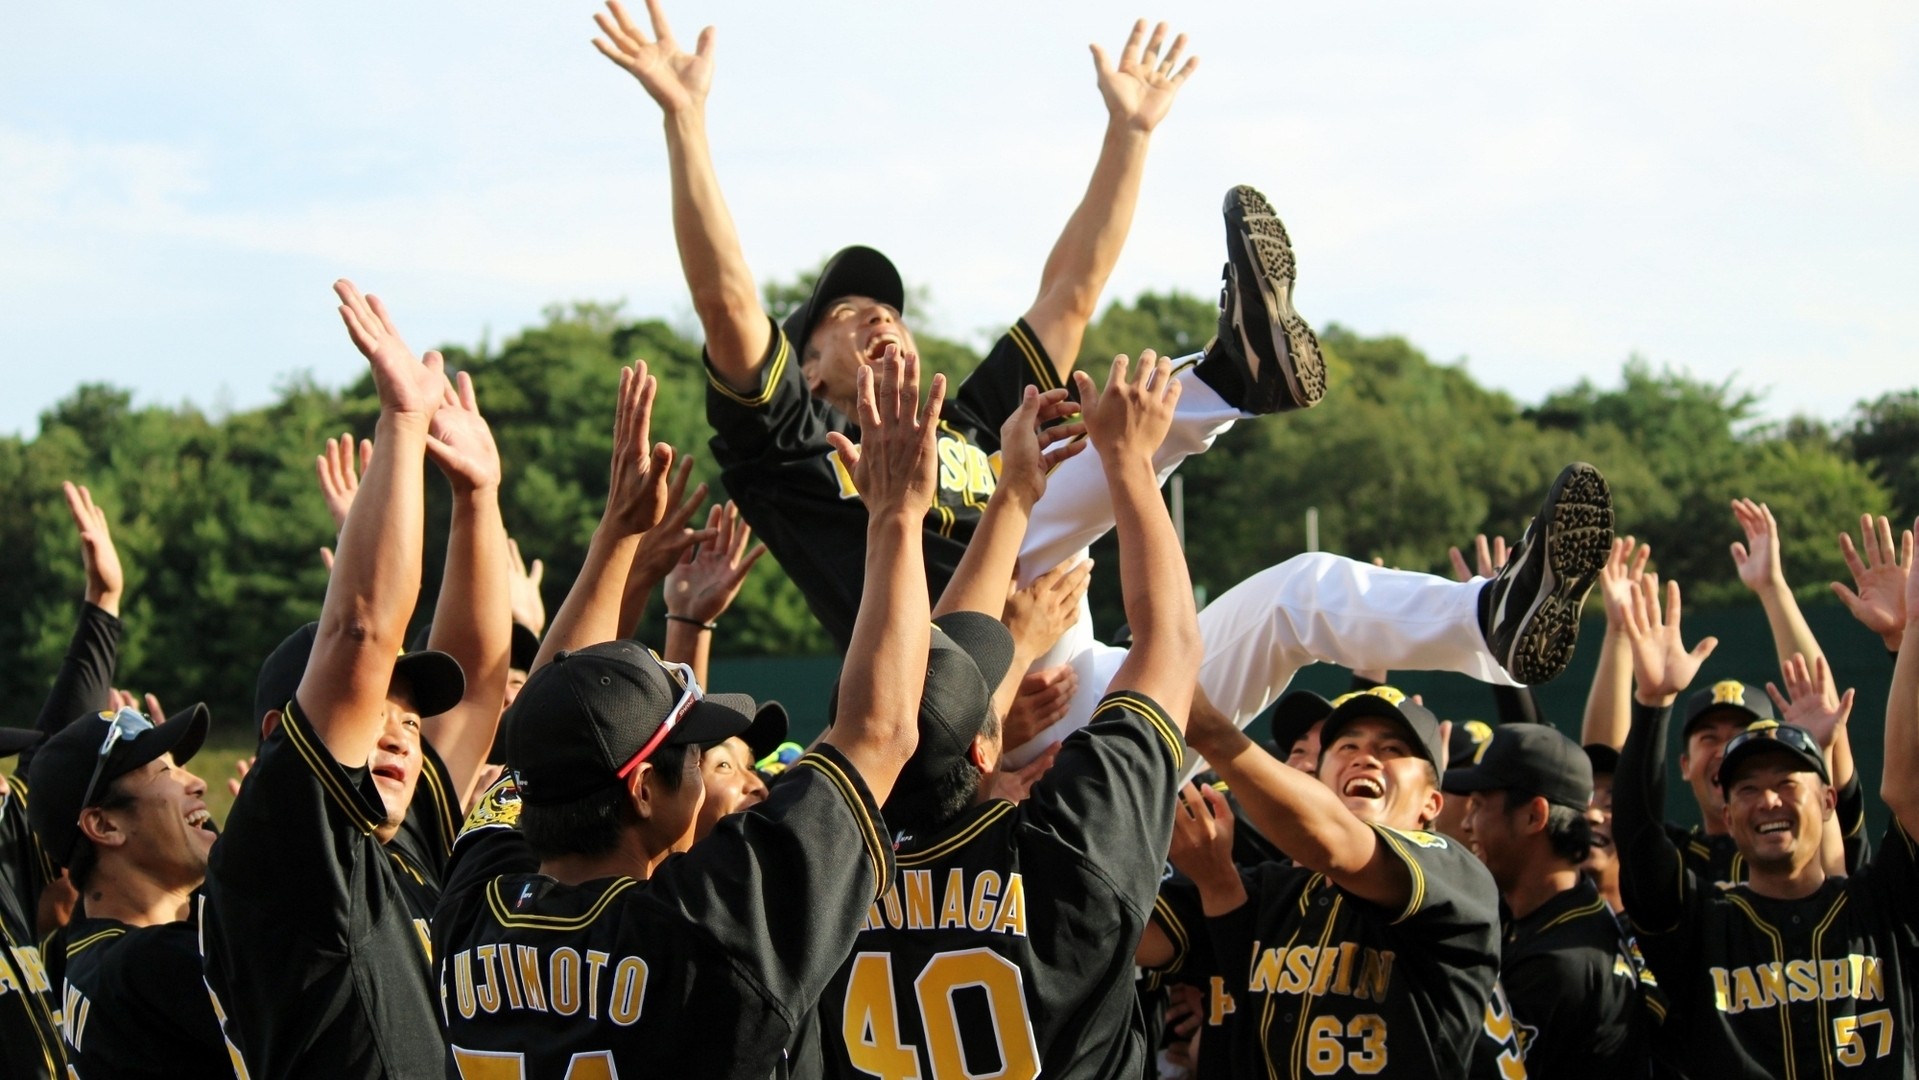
(1538, 191)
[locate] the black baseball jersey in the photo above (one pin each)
(316, 935)
(134, 1004)
(1760, 987)
(30, 1047)
(1570, 1000)
(1179, 913)
(704, 969)
(776, 464)
(1334, 985)
(1005, 945)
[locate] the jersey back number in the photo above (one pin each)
(872, 1026)
(494, 1065)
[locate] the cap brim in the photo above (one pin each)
(768, 729)
(1604, 759)
(13, 740)
(181, 734)
(434, 680)
(1731, 764)
(1468, 780)
(712, 720)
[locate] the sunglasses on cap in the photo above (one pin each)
(690, 696)
(124, 725)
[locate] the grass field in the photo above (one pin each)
(214, 764)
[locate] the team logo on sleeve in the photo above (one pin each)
(500, 806)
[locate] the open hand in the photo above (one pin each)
(1037, 615)
(1490, 558)
(1041, 701)
(637, 494)
(664, 545)
(1030, 449)
(106, 581)
(339, 478)
(406, 385)
(523, 589)
(1757, 558)
(675, 78)
(1014, 785)
(1139, 90)
(1809, 701)
(895, 464)
(1880, 602)
(461, 443)
(708, 577)
(1662, 665)
(1129, 418)
(1619, 579)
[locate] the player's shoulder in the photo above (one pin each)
(981, 833)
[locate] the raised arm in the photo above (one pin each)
(704, 584)
(1126, 422)
(894, 467)
(1138, 91)
(1899, 787)
(1029, 451)
(724, 296)
(636, 498)
(84, 682)
(1652, 871)
(376, 572)
(1609, 703)
(473, 620)
(1878, 596)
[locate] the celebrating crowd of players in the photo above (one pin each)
(1016, 851)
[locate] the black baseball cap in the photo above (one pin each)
(1386, 703)
(63, 769)
(1293, 716)
(591, 714)
(1468, 743)
(1769, 737)
(15, 739)
(433, 678)
(1533, 758)
(852, 271)
(1604, 759)
(768, 729)
(965, 663)
(1742, 701)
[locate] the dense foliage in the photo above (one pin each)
(218, 518)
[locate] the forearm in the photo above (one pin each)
(724, 295)
(985, 571)
(85, 679)
(877, 721)
(1157, 591)
(370, 595)
(472, 622)
(1609, 704)
(1649, 862)
(690, 645)
(1790, 634)
(1089, 246)
(1899, 785)
(635, 594)
(591, 611)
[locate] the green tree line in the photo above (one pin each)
(219, 520)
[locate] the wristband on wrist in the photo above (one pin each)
(691, 621)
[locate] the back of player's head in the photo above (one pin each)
(587, 720)
(968, 658)
(78, 766)
(433, 679)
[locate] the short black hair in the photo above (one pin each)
(1567, 830)
(928, 809)
(592, 823)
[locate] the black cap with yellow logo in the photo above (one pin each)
(1730, 698)
(1771, 737)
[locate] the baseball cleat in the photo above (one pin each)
(1276, 356)
(1529, 611)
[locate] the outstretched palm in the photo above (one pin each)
(674, 77)
(1140, 89)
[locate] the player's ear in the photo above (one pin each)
(269, 724)
(638, 790)
(1538, 812)
(100, 829)
(1828, 802)
(1435, 801)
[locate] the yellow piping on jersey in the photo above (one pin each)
(1165, 728)
(76, 948)
(876, 848)
(1577, 913)
(1818, 934)
(1266, 1013)
(959, 839)
(328, 780)
(1175, 932)
(1298, 1054)
(505, 917)
(436, 787)
(1418, 897)
(1043, 374)
(1779, 957)
(769, 382)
